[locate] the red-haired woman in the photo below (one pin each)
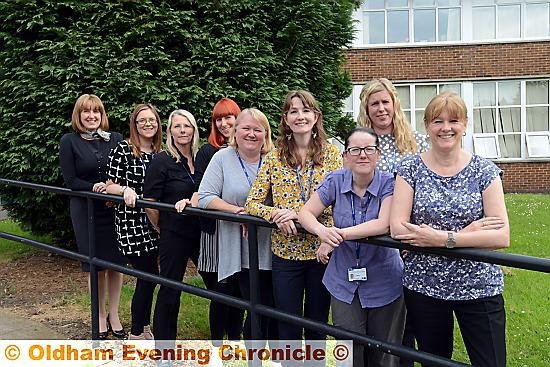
(223, 319)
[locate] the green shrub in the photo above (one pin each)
(174, 54)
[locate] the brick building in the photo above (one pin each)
(494, 53)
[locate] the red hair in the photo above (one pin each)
(224, 107)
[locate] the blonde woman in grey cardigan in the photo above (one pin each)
(225, 186)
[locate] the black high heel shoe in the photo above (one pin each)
(120, 334)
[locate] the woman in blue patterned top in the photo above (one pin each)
(137, 240)
(450, 198)
(364, 280)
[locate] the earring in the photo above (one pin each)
(288, 136)
(464, 133)
(314, 134)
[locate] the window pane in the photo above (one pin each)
(484, 94)
(424, 94)
(485, 120)
(417, 3)
(509, 119)
(509, 93)
(397, 3)
(373, 23)
(483, 23)
(424, 25)
(373, 4)
(448, 2)
(450, 87)
(482, 2)
(449, 25)
(403, 92)
(398, 26)
(510, 146)
(538, 119)
(509, 21)
(420, 127)
(537, 92)
(538, 24)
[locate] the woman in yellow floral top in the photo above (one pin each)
(292, 171)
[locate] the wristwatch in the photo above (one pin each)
(450, 242)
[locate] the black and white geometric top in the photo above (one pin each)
(135, 234)
(390, 157)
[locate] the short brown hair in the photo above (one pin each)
(92, 102)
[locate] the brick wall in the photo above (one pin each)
(499, 60)
(526, 176)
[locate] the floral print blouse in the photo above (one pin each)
(290, 190)
(449, 204)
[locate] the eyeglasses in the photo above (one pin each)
(355, 151)
(143, 122)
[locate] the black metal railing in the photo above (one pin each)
(254, 307)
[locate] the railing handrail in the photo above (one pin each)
(512, 260)
(494, 257)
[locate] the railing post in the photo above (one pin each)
(94, 284)
(254, 279)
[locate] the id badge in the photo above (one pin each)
(357, 273)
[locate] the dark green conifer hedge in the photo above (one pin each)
(174, 54)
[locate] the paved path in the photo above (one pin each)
(14, 327)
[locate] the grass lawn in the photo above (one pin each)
(527, 293)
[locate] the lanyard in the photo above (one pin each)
(187, 171)
(385, 159)
(244, 168)
(363, 219)
(302, 192)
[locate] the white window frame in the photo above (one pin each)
(532, 145)
(482, 147)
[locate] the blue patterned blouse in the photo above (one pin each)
(449, 203)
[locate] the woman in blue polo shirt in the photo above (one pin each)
(364, 280)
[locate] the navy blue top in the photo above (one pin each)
(169, 181)
(384, 265)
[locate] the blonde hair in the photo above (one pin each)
(450, 101)
(402, 131)
(170, 146)
(287, 147)
(260, 118)
(88, 102)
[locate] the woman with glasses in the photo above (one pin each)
(170, 178)
(291, 172)
(381, 110)
(83, 158)
(137, 239)
(364, 280)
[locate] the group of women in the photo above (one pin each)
(387, 180)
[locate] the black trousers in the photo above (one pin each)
(142, 300)
(298, 289)
(482, 324)
(174, 252)
(223, 318)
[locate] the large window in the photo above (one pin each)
(403, 21)
(510, 19)
(420, 21)
(508, 119)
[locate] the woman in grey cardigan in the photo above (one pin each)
(225, 186)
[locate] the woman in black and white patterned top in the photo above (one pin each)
(137, 239)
